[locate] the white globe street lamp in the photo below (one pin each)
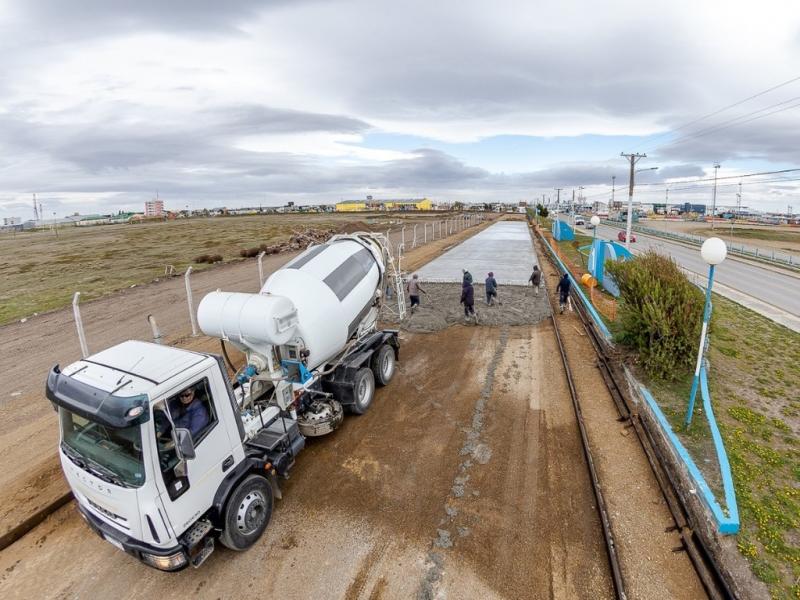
(595, 221)
(713, 252)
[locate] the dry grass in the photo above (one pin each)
(40, 271)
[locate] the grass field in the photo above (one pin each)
(40, 271)
(754, 378)
(743, 233)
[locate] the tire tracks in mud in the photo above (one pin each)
(474, 450)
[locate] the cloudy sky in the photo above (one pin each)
(248, 102)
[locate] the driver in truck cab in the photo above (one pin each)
(189, 412)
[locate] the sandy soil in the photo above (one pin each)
(464, 480)
(31, 477)
(724, 231)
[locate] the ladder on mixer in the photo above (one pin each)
(394, 271)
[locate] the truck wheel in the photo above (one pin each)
(383, 365)
(364, 391)
(247, 513)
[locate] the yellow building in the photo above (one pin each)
(370, 204)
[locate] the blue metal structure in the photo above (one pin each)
(702, 351)
(562, 231)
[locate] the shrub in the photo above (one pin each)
(249, 252)
(660, 314)
(208, 258)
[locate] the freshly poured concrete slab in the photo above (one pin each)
(505, 248)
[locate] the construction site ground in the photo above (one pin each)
(466, 478)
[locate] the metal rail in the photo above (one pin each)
(707, 570)
(715, 585)
(608, 534)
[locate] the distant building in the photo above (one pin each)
(154, 208)
(12, 221)
(370, 204)
(699, 209)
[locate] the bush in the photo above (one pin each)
(249, 252)
(660, 314)
(542, 210)
(208, 258)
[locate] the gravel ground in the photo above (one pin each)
(440, 308)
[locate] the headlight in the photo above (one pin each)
(165, 563)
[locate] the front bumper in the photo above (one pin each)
(163, 559)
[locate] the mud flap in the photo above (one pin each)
(276, 491)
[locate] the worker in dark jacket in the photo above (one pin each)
(563, 287)
(536, 279)
(467, 277)
(468, 299)
(491, 289)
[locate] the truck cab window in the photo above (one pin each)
(191, 408)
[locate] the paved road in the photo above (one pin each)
(781, 290)
(504, 248)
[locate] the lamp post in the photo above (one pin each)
(630, 207)
(713, 252)
(714, 196)
(595, 221)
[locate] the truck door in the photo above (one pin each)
(187, 493)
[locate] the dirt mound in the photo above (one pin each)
(440, 308)
(353, 227)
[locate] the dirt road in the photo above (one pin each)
(31, 477)
(465, 479)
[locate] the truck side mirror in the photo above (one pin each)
(184, 443)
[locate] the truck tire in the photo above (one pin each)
(363, 391)
(383, 365)
(247, 513)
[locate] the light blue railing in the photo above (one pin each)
(783, 259)
(727, 519)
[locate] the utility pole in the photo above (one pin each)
(714, 197)
(739, 202)
(633, 159)
(572, 207)
(35, 210)
(558, 197)
(613, 181)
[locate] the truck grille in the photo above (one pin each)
(107, 513)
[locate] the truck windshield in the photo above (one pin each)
(110, 453)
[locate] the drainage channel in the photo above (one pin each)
(707, 570)
(602, 509)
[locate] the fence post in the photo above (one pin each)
(260, 270)
(403, 235)
(154, 326)
(79, 325)
(414, 241)
(424, 233)
(190, 300)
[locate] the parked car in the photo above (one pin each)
(621, 236)
(580, 221)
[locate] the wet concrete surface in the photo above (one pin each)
(504, 248)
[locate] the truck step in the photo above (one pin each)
(196, 533)
(270, 437)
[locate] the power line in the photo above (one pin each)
(732, 122)
(721, 110)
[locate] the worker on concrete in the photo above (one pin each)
(468, 300)
(467, 277)
(536, 280)
(563, 287)
(414, 288)
(491, 289)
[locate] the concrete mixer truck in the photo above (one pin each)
(166, 455)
